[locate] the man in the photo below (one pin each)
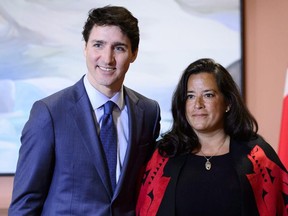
(62, 167)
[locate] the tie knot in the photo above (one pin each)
(108, 107)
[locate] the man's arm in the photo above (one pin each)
(35, 163)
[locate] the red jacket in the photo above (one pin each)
(263, 181)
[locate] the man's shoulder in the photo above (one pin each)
(69, 91)
(138, 96)
(63, 98)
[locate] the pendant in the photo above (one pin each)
(208, 165)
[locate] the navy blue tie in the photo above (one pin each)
(108, 136)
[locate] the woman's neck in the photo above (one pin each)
(214, 144)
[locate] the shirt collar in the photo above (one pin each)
(97, 99)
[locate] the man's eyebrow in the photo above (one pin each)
(120, 44)
(114, 44)
(97, 41)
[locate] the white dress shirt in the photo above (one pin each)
(120, 117)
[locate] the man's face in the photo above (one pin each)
(108, 56)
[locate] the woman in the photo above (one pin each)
(212, 161)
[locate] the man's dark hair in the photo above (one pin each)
(113, 16)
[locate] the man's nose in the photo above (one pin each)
(108, 56)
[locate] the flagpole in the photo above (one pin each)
(283, 139)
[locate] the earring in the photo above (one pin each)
(227, 110)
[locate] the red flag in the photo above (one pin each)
(283, 141)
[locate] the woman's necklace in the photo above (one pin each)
(208, 164)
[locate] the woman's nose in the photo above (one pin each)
(199, 103)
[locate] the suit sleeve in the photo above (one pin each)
(35, 163)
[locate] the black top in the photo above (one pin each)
(202, 192)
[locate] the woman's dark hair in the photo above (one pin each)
(113, 16)
(238, 122)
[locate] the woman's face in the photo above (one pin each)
(205, 104)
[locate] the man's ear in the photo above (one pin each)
(135, 53)
(84, 48)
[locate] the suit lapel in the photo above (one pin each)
(135, 116)
(83, 115)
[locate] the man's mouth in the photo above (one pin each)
(106, 68)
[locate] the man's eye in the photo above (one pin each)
(97, 45)
(120, 48)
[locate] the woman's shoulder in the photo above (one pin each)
(256, 140)
(262, 150)
(262, 143)
(157, 159)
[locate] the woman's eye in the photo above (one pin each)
(209, 95)
(190, 96)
